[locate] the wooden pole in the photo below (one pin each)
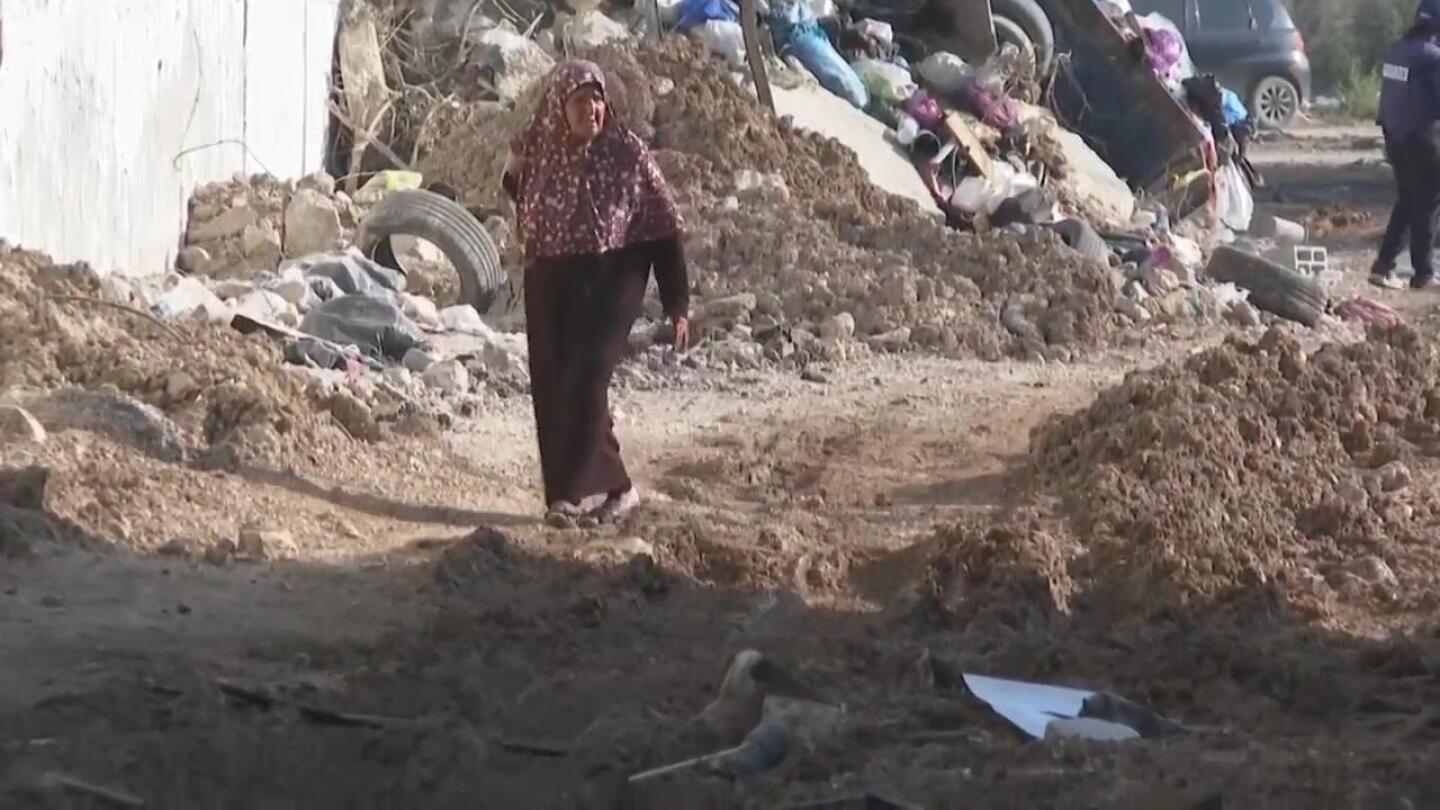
(750, 25)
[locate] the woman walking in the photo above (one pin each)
(595, 217)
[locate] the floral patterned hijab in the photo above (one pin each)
(578, 200)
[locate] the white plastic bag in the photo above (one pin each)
(946, 72)
(1237, 205)
(724, 37)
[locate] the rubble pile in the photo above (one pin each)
(796, 254)
(249, 224)
(226, 398)
(1255, 466)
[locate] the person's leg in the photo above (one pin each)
(545, 393)
(1425, 203)
(1401, 215)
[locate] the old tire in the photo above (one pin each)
(1029, 17)
(1273, 288)
(1275, 102)
(448, 226)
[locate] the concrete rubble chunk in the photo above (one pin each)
(261, 245)
(838, 327)
(591, 29)
(418, 361)
(423, 311)
(354, 415)
(229, 223)
(516, 61)
(185, 297)
(259, 543)
(729, 308)
(192, 259)
(463, 318)
(266, 305)
(312, 224)
(449, 377)
(19, 425)
(24, 487)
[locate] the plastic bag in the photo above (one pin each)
(1232, 107)
(794, 25)
(1237, 205)
(945, 72)
(694, 13)
(885, 81)
(723, 37)
(924, 109)
(378, 328)
(879, 31)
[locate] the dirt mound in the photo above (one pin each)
(1256, 467)
(227, 394)
(791, 218)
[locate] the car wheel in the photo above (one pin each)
(1275, 102)
(1031, 19)
(1009, 32)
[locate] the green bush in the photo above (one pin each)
(1347, 38)
(1359, 92)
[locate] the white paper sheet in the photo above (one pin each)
(1030, 706)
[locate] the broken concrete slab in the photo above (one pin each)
(1089, 179)
(818, 111)
(312, 224)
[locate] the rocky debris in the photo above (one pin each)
(249, 224)
(20, 426)
(312, 224)
(418, 360)
(260, 543)
(24, 487)
(1206, 478)
(354, 415)
(449, 377)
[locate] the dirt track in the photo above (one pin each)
(873, 533)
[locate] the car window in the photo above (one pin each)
(1224, 15)
(1271, 15)
(1174, 10)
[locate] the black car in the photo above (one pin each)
(1252, 46)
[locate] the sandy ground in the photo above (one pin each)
(504, 664)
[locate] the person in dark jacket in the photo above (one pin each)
(1410, 119)
(596, 217)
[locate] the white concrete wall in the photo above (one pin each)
(101, 99)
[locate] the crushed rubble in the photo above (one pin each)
(1252, 465)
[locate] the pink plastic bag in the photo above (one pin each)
(924, 109)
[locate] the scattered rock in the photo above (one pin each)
(355, 416)
(24, 487)
(1372, 571)
(891, 341)
(1242, 313)
(464, 319)
(258, 543)
(1393, 477)
(221, 553)
(229, 223)
(729, 308)
(423, 311)
(419, 360)
(449, 377)
(312, 224)
(192, 259)
(840, 326)
(19, 425)
(261, 245)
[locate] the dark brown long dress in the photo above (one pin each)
(578, 312)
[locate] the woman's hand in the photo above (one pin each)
(682, 332)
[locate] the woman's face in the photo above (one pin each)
(585, 112)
